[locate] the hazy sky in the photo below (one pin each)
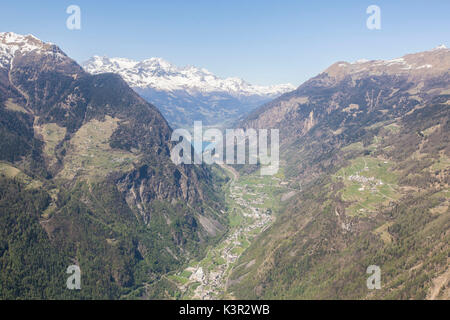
(263, 42)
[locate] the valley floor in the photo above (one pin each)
(251, 204)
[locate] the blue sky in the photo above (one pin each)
(263, 42)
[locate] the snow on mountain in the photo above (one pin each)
(440, 47)
(162, 75)
(187, 94)
(421, 64)
(12, 44)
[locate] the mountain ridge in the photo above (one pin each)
(367, 147)
(414, 67)
(153, 72)
(187, 94)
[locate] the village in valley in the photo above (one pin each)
(252, 202)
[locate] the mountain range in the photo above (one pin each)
(188, 94)
(86, 179)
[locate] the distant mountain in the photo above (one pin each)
(86, 178)
(186, 94)
(365, 147)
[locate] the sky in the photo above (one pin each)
(263, 42)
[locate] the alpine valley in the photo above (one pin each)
(188, 94)
(86, 179)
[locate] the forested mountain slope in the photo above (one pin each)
(86, 178)
(367, 144)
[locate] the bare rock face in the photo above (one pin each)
(417, 65)
(142, 186)
(387, 88)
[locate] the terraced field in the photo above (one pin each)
(90, 155)
(52, 135)
(369, 183)
(13, 173)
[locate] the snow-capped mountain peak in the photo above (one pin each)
(160, 74)
(442, 46)
(12, 44)
(20, 42)
(186, 94)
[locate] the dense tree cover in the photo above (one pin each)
(94, 228)
(31, 266)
